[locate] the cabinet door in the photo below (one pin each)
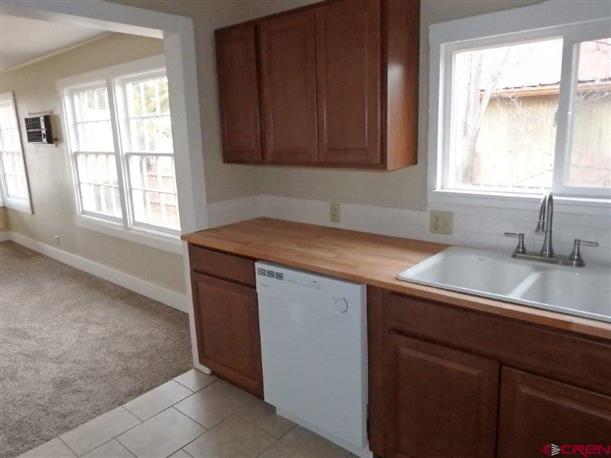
(440, 402)
(348, 83)
(538, 414)
(238, 93)
(227, 326)
(288, 84)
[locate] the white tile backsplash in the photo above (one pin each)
(474, 226)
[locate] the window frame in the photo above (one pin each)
(544, 21)
(123, 227)
(16, 203)
(124, 127)
(71, 140)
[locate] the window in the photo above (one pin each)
(147, 146)
(527, 113)
(121, 142)
(13, 177)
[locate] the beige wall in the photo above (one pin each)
(49, 168)
(3, 219)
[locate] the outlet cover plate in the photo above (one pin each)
(442, 222)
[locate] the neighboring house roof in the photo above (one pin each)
(544, 63)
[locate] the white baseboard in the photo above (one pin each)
(158, 293)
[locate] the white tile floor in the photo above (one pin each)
(194, 415)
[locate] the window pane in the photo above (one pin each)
(14, 174)
(8, 120)
(590, 158)
(101, 199)
(155, 208)
(9, 139)
(153, 172)
(98, 180)
(148, 97)
(91, 104)
(95, 136)
(154, 190)
(504, 101)
(151, 134)
(93, 130)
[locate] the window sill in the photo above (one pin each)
(20, 205)
(169, 243)
(562, 204)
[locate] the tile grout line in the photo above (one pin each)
(66, 444)
(107, 442)
(267, 432)
(193, 392)
(165, 408)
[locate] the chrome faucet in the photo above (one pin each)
(545, 222)
(544, 225)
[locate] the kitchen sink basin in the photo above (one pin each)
(471, 271)
(584, 291)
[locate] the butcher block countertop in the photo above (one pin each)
(366, 258)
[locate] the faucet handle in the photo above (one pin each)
(520, 248)
(575, 256)
(585, 242)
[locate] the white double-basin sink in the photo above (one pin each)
(583, 291)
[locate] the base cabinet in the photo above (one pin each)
(451, 386)
(441, 403)
(538, 414)
(227, 327)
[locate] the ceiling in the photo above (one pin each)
(23, 40)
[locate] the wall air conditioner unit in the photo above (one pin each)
(38, 129)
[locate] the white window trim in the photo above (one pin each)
(534, 21)
(125, 228)
(23, 205)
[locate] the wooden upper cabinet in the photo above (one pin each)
(536, 412)
(348, 65)
(287, 51)
(337, 84)
(440, 402)
(239, 93)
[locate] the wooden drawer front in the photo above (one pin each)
(441, 402)
(562, 356)
(227, 326)
(536, 411)
(222, 265)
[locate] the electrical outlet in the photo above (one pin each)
(442, 222)
(334, 212)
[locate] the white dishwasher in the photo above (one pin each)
(314, 352)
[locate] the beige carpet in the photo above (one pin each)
(73, 346)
